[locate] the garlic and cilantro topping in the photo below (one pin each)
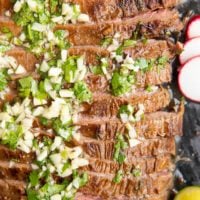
(129, 115)
(42, 119)
(15, 126)
(59, 160)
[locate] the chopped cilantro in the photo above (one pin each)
(149, 88)
(44, 121)
(3, 79)
(41, 93)
(129, 43)
(64, 130)
(121, 84)
(25, 86)
(6, 31)
(82, 92)
(12, 135)
(161, 61)
(53, 6)
(70, 68)
(119, 50)
(32, 194)
(4, 48)
(24, 17)
(127, 109)
(137, 172)
(120, 145)
(82, 179)
(106, 42)
(118, 177)
(34, 178)
(97, 70)
(62, 40)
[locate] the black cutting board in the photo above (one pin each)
(188, 166)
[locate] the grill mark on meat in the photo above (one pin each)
(159, 124)
(148, 165)
(110, 106)
(152, 25)
(102, 185)
(151, 147)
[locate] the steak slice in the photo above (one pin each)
(158, 124)
(102, 10)
(162, 196)
(107, 105)
(99, 10)
(150, 49)
(103, 186)
(148, 165)
(13, 170)
(151, 147)
(151, 25)
(7, 154)
(12, 189)
(155, 76)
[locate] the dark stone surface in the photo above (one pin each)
(188, 166)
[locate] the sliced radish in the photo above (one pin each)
(190, 50)
(193, 27)
(189, 79)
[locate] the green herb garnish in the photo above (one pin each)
(121, 84)
(82, 92)
(120, 145)
(118, 177)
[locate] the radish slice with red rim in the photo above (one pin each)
(193, 27)
(190, 50)
(189, 79)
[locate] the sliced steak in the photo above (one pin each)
(150, 49)
(103, 186)
(158, 124)
(151, 147)
(25, 58)
(7, 154)
(106, 105)
(148, 165)
(155, 76)
(14, 170)
(162, 196)
(102, 10)
(151, 25)
(12, 189)
(99, 10)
